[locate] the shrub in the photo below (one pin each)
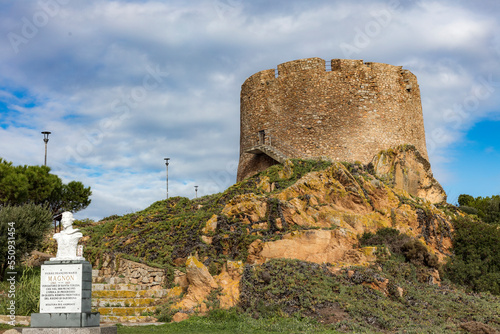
(286, 286)
(469, 210)
(416, 253)
(476, 259)
(389, 237)
(22, 229)
(413, 250)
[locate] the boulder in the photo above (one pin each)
(200, 284)
(249, 206)
(180, 316)
(229, 281)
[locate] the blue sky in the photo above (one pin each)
(475, 160)
(123, 84)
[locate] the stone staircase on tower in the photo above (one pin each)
(268, 150)
(273, 148)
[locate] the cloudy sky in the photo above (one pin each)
(123, 84)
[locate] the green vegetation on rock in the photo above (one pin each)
(401, 244)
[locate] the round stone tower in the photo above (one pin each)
(349, 112)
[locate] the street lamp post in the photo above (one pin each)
(196, 191)
(166, 164)
(46, 140)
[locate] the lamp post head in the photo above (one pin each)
(46, 136)
(166, 161)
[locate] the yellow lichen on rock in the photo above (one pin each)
(229, 281)
(200, 284)
(211, 225)
(287, 170)
(265, 185)
(351, 203)
(248, 206)
(175, 292)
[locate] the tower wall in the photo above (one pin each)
(348, 113)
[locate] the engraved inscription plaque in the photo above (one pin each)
(61, 289)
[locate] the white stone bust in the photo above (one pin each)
(67, 240)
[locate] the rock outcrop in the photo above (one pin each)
(407, 169)
(201, 284)
(328, 210)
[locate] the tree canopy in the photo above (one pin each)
(29, 198)
(34, 184)
(486, 208)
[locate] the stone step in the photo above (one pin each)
(126, 311)
(127, 319)
(110, 280)
(123, 302)
(129, 293)
(128, 287)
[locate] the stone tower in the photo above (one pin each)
(348, 112)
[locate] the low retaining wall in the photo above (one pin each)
(133, 272)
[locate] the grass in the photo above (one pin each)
(230, 322)
(27, 293)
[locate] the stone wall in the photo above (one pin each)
(348, 113)
(132, 272)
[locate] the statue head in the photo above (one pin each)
(67, 219)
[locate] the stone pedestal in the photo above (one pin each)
(65, 296)
(58, 320)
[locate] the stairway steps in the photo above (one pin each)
(269, 151)
(110, 280)
(127, 319)
(134, 287)
(129, 293)
(123, 302)
(126, 311)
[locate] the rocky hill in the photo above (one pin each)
(351, 245)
